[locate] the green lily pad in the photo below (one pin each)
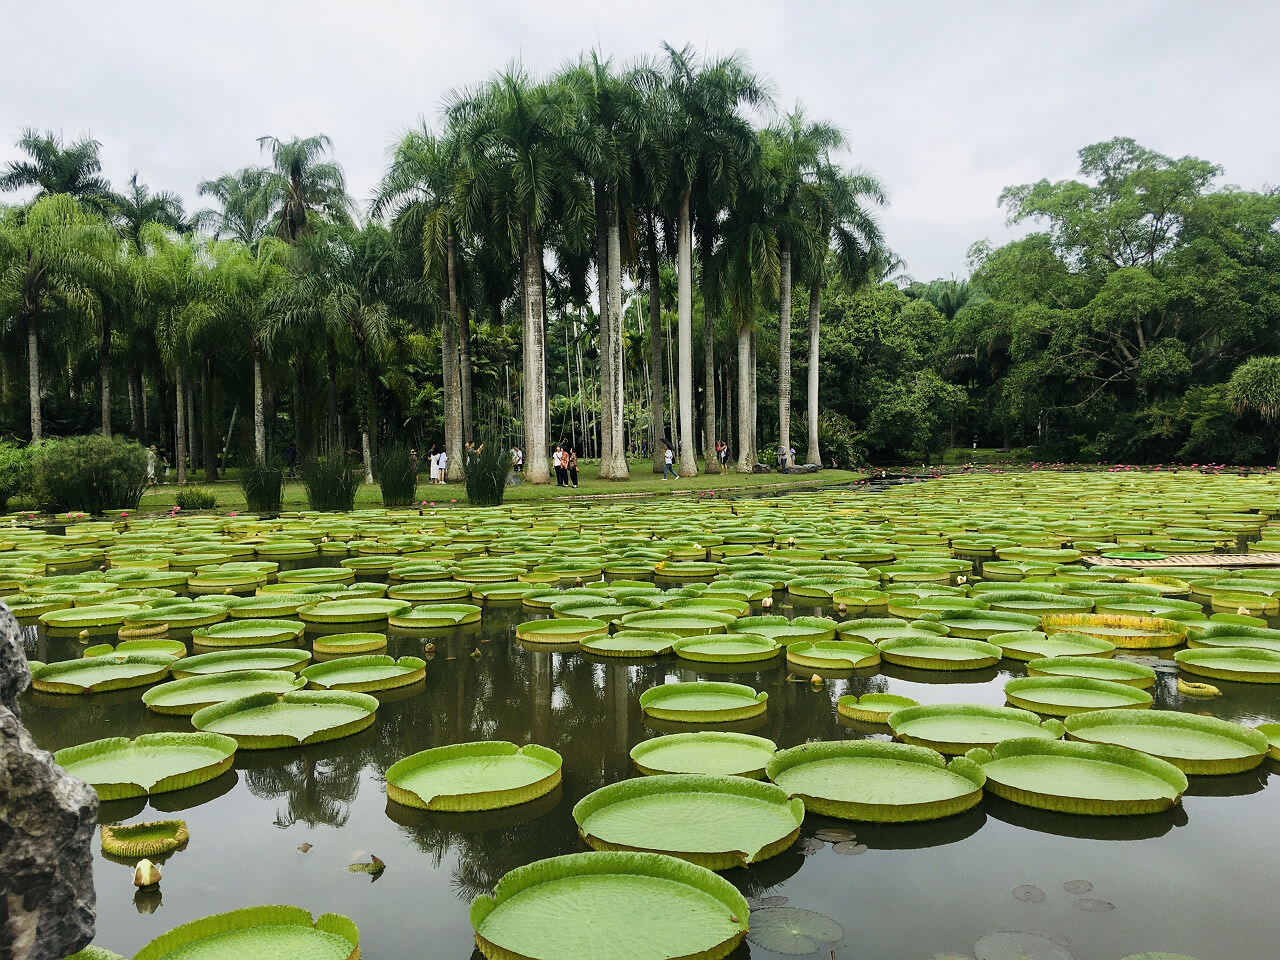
(345, 644)
(709, 752)
(727, 648)
(1131, 633)
(630, 644)
(464, 777)
(1193, 744)
(227, 661)
(248, 633)
(174, 649)
(685, 623)
(177, 615)
(876, 781)
(93, 617)
(435, 616)
(1034, 645)
(877, 629)
(365, 673)
(267, 720)
(432, 591)
(610, 906)
(258, 932)
(119, 768)
(702, 701)
(1242, 664)
(1272, 732)
(560, 630)
(832, 655)
(984, 624)
(1084, 778)
(939, 653)
(715, 821)
(784, 631)
(153, 839)
(361, 610)
(1094, 668)
(1065, 696)
(97, 674)
(184, 697)
(872, 707)
(792, 931)
(956, 728)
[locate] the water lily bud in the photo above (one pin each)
(842, 608)
(767, 602)
(815, 681)
(1243, 611)
(146, 874)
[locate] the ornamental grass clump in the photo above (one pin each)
(397, 476)
(331, 482)
(15, 472)
(487, 471)
(92, 473)
(195, 498)
(263, 486)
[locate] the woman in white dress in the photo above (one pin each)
(435, 466)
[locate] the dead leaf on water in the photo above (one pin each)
(304, 848)
(835, 834)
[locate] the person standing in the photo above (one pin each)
(573, 467)
(557, 464)
(443, 459)
(668, 461)
(517, 460)
(433, 464)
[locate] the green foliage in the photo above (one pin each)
(487, 474)
(396, 475)
(1255, 387)
(263, 485)
(15, 471)
(195, 498)
(331, 482)
(91, 473)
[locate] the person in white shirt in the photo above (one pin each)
(517, 459)
(443, 460)
(668, 464)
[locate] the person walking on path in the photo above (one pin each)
(573, 467)
(668, 461)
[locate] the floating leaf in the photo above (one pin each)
(1077, 886)
(484, 775)
(1028, 893)
(849, 848)
(304, 848)
(792, 931)
(374, 867)
(809, 846)
(259, 932)
(144, 839)
(835, 834)
(1018, 945)
(1090, 905)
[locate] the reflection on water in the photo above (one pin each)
(918, 890)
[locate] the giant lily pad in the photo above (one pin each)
(716, 822)
(174, 649)
(346, 644)
(832, 655)
(184, 697)
(1034, 645)
(1019, 945)
(153, 839)
(610, 906)
(96, 616)
(365, 673)
(360, 610)
(630, 644)
(177, 615)
(702, 701)
(465, 777)
(877, 629)
(258, 932)
(727, 648)
(710, 752)
(983, 624)
(108, 671)
(433, 591)
(1094, 668)
(1064, 696)
(1086, 778)
(877, 781)
(560, 630)
(872, 707)
(1193, 744)
(686, 623)
(268, 720)
(955, 728)
(227, 661)
(1272, 732)
(1243, 664)
(248, 633)
(1131, 633)
(926, 652)
(435, 616)
(812, 629)
(119, 768)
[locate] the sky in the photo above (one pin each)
(946, 102)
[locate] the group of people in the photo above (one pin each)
(565, 461)
(437, 462)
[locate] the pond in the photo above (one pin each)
(283, 825)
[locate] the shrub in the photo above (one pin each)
(15, 471)
(263, 486)
(396, 476)
(487, 471)
(195, 498)
(331, 481)
(92, 473)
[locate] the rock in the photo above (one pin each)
(515, 478)
(761, 468)
(804, 468)
(47, 825)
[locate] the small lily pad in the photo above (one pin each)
(849, 848)
(1077, 886)
(1018, 945)
(835, 834)
(809, 846)
(1028, 893)
(1089, 905)
(792, 931)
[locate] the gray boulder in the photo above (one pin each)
(47, 823)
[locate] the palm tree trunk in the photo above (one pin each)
(335, 425)
(208, 426)
(684, 321)
(192, 449)
(815, 299)
(180, 423)
(755, 402)
(537, 468)
(142, 404)
(745, 459)
(655, 349)
(33, 379)
(259, 414)
(784, 348)
(613, 462)
(133, 380)
(468, 420)
(104, 371)
(366, 447)
(606, 328)
(449, 366)
(710, 463)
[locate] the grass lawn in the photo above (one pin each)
(643, 482)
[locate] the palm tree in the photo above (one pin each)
(303, 182)
(247, 198)
(836, 208)
(53, 257)
(518, 181)
(711, 144)
(55, 167)
(418, 191)
(793, 150)
(138, 206)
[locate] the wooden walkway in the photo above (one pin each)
(1194, 560)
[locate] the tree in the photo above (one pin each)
(1255, 388)
(518, 181)
(55, 167)
(138, 206)
(302, 183)
(53, 257)
(246, 198)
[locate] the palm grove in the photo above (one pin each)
(616, 255)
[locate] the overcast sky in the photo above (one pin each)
(946, 102)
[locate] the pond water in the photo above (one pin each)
(1196, 880)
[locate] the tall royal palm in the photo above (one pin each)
(712, 145)
(246, 199)
(793, 150)
(518, 180)
(53, 166)
(303, 183)
(134, 208)
(837, 210)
